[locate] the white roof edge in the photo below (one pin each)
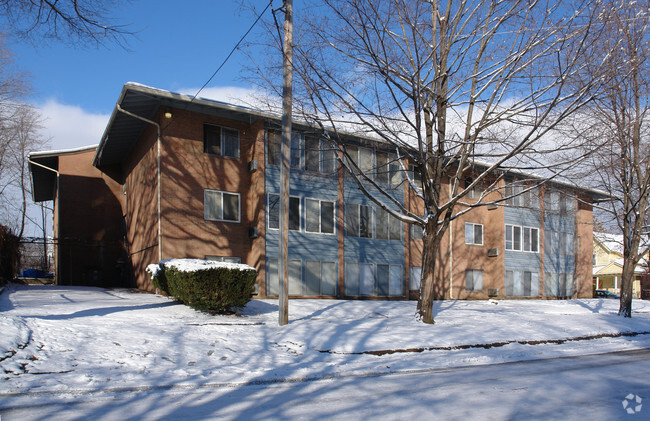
(57, 152)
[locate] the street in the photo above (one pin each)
(588, 387)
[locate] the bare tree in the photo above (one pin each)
(67, 20)
(616, 128)
(20, 134)
(446, 85)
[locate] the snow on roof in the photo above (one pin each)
(598, 269)
(613, 242)
(57, 152)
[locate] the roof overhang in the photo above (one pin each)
(124, 130)
(44, 169)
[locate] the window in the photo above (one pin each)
(319, 216)
(531, 239)
(518, 194)
(381, 172)
(274, 156)
(473, 233)
(387, 226)
(220, 206)
(319, 157)
(274, 212)
(224, 259)
(368, 279)
(415, 176)
(521, 283)
(394, 170)
(474, 280)
(417, 232)
(557, 201)
(476, 191)
(312, 154)
(559, 284)
(296, 151)
(522, 238)
(320, 278)
(415, 278)
(365, 161)
(358, 220)
(220, 141)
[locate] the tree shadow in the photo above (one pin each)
(102, 311)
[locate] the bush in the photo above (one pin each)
(9, 254)
(205, 285)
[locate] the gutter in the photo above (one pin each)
(158, 140)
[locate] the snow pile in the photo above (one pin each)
(193, 265)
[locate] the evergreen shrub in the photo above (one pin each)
(205, 285)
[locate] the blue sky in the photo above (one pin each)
(178, 46)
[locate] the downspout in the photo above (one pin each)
(58, 254)
(158, 140)
(451, 253)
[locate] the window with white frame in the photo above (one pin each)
(319, 216)
(473, 280)
(273, 210)
(387, 226)
(220, 206)
(473, 233)
(221, 141)
(358, 220)
(520, 238)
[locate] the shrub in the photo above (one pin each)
(205, 285)
(9, 254)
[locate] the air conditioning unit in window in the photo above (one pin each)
(492, 206)
(493, 292)
(493, 252)
(252, 232)
(252, 165)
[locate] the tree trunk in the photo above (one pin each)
(627, 282)
(431, 243)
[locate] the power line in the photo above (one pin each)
(232, 51)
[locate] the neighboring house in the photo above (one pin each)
(200, 178)
(87, 229)
(608, 264)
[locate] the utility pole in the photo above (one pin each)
(287, 94)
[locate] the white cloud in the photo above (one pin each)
(70, 126)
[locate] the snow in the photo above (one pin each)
(72, 340)
(193, 265)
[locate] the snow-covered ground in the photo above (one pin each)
(72, 340)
